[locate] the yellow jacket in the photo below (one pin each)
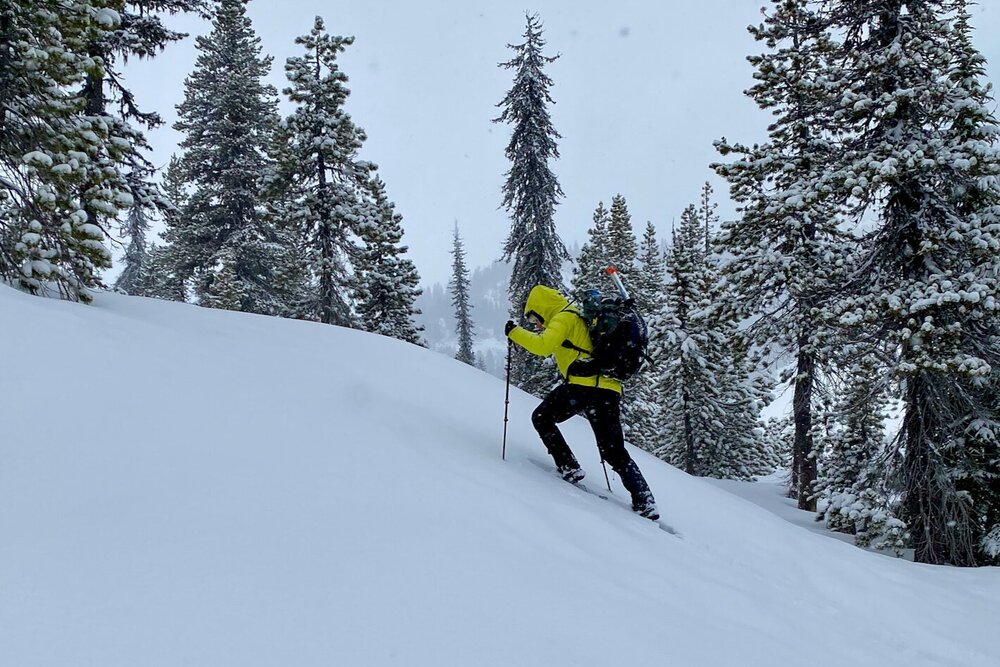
(562, 322)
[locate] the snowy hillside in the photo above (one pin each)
(182, 486)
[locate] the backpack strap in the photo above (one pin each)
(568, 345)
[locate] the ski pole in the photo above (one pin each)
(506, 402)
(607, 480)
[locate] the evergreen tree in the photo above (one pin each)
(157, 279)
(707, 214)
(685, 355)
(590, 263)
(785, 246)
(325, 188)
(621, 249)
(160, 278)
(61, 165)
(136, 255)
(228, 117)
(647, 288)
(709, 397)
(648, 283)
(851, 493)
(139, 33)
(917, 146)
(388, 281)
(459, 286)
(531, 190)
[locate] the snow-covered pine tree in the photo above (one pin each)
(324, 187)
(459, 286)
(590, 263)
(850, 489)
(918, 149)
(709, 393)
(784, 247)
(648, 283)
(160, 278)
(621, 249)
(387, 280)
(685, 354)
(139, 33)
(228, 117)
(61, 165)
(748, 386)
(706, 212)
(133, 275)
(531, 190)
(980, 478)
(157, 279)
(647, 288)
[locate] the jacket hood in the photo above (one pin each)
(545, 301)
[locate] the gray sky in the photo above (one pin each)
(641, 89)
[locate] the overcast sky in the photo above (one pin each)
(641, 89)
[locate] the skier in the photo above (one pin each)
(585, 391)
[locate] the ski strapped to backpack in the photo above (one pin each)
(617, 331)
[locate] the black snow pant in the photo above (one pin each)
(602, 408)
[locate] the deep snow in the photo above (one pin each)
(183, 486)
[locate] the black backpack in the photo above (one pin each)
(618, 334)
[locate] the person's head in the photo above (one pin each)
(534, 320)
(543, 303)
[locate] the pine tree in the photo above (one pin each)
(157, 279)
(979, 475)
(621, 249)
(136, 255)
(707, 214)
(325, 188)
(139, 33)
(531, 191)
(785, 246)
(590, 263)
(685, 356)
(459, 286)
(160, 278)
(851, 493)
(917, 146)
(228, 116)
(647, 288)
(388, 281)
(61, 166)
(709, 395)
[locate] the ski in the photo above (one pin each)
(662, 525)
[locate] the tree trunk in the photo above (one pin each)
(689, 455)
(804, 464)
(938, 529)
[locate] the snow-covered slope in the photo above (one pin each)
(182, 486)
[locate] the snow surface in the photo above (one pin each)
(183, 486)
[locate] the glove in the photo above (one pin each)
(584, 368)
(507, 328)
